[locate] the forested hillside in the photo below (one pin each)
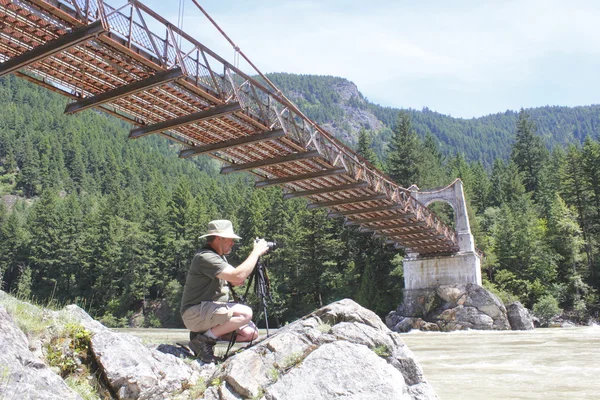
(337, 104)
(113, 223)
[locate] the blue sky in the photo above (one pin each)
(460, 58)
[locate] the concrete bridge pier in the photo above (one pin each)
(423, 272)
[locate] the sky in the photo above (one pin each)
(460, 58)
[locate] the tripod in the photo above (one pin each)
(262, 289)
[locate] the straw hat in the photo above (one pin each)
(222, 228)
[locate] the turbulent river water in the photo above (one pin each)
(557, 363)
(548, 364)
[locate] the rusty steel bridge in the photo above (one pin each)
(166, 82)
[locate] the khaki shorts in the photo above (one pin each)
(202, 317)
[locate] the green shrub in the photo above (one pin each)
(111, 321)
(546, 308)
(68, 350)
(382, 351)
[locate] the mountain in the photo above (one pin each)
(339, 107)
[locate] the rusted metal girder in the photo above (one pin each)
(52, 47)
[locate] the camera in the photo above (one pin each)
(270, 245)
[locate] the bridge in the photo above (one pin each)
(163, 81)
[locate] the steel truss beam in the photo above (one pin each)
(259, 137)
(347, 201)
(303, 177)
(350, 186)
(445, 245)
(52, 47)
(403, 234)
(135, 87)
(423, 239)
(365, 211)
(395, 226)
(213, 112)
(379, 219)
(270, 162)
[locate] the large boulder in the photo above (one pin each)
(23, 375)
(519, 317)
(134, 370)
(449, 308)
(341, 350)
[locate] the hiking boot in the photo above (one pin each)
(193, 335)
(203, 347)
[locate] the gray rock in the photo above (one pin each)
(22, 374)
(488, 303)
(453, 295)
(341, 350)
(135, 371)
(330, 372)
(472, 318)
(519, 317)
(447, 308)
(419, 303)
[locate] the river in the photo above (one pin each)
(548, 364)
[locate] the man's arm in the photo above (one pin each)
(236, 276)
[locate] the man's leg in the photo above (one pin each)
(241, 320)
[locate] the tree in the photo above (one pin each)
(365, 148)
(529, 152)
(403, 158)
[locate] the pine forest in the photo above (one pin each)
(88, 216)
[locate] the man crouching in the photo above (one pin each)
(205, 307)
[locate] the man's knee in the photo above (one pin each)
(242, 311)
(247, 333)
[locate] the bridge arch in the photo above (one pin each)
(453, 195)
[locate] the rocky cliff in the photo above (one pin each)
(341, 350)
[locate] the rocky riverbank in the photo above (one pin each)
(339, 350)
(457, 307)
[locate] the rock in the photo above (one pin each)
(341, 350)
(330, 371)
(137, 372)
(419, 303)
(447, 308)
(519, 317)
(452, 294)
(488, 303)
(22, 374)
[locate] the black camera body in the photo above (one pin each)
(270, 245)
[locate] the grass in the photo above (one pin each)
(34, 320)
(66, 342)
(291, 361)
(382, 351)
(83, 387)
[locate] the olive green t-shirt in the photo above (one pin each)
(201, 283)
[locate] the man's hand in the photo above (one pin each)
(260, 247)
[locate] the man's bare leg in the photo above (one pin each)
(241, 321)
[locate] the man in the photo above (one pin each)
(205, 307)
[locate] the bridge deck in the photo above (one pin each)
(170, 84)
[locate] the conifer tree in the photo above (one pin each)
(402, 159)
(529, 152)
(365, 148)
